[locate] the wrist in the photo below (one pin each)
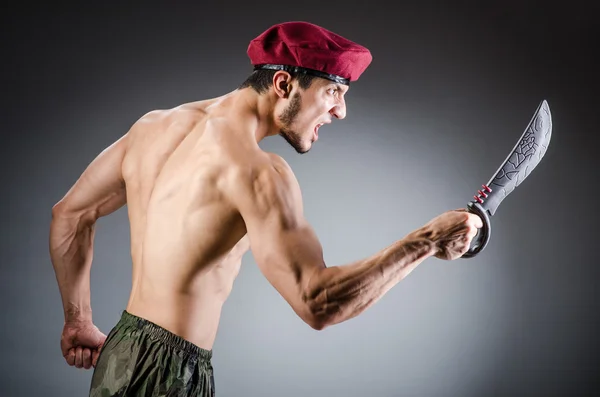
(424, 236)
(77, 313)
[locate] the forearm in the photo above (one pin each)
(71, 251)
(339, 293)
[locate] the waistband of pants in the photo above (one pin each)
(165, 336)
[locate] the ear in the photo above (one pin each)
(282, 83)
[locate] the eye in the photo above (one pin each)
(331, 91)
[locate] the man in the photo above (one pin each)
(200, 192)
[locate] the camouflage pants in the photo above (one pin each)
(139, 358)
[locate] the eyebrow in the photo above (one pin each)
(338, 87)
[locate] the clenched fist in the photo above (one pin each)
(81, 343)
(452, 233)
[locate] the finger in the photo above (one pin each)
(473, 232)
(70, 357)
(95, 355)
(479, 223)
(87, 358)
(64, 349)
(79, 357)
(464, 247)
(476, 220)
(462, 251)
(65, 345)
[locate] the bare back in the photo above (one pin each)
(184, 234)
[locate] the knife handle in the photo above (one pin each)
(482, 238)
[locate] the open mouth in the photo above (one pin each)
(317, 130)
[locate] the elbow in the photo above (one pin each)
(61, 210)
(318, 310)
(64, 210)
(316, 323)
(309, 313)
(319, 325)
(60, 218)
(58, 226)
(66, 225)
(316, 317)
(57, 210)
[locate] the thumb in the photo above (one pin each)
(95, 355)
(96, 352)
(98, 339)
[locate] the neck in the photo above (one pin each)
(260, 109)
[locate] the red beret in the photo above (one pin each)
(305, 47)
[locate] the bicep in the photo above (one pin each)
(286, 255)
(284, 245)
(100, 190)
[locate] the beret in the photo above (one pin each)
(308, 48)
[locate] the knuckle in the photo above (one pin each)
(473, 219)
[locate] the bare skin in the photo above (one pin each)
(200, 192)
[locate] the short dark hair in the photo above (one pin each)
(260, 80)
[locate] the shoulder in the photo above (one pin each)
(275, 172)
(279, 166)
(147, 122)
(188, 110)
(265, 184)
(152, 117)
(181, 113)
(268, 172)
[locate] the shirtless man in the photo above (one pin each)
(199, 193)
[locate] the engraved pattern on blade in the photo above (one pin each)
(525, 156)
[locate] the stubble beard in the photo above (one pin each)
(287, 119)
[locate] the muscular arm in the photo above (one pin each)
(290, 256)
(98, 192)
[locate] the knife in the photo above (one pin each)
(525, 156)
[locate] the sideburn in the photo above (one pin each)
(289, 114)
(287, 118)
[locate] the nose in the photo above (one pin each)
(339, 110)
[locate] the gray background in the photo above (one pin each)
(449, 91)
